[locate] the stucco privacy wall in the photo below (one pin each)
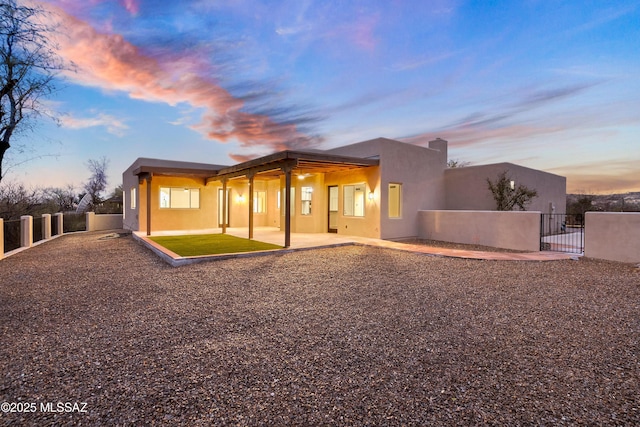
(103, 221)
(509, 230)
(467, 188)
(613, 236)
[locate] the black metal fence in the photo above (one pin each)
(37, 229)
(54, 226)
(74, 222)
(11, 235)
(562, 233)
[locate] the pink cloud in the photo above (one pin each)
(80, 6)
(362, 32)
(132, 6)
(110, 62)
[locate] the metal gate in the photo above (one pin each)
(562, 233)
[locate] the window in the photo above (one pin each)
(395, 198)
(305, 197)
(179, 198)
(353, 200)
(259, 202)
(133, 198)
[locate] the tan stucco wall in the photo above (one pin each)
(367, 226)
(177, 219)
(130, 217)
(612, 236)
(103, 221)
(239, 206)
(273, 211)
(135, 218)
(419, 170)
(467, 188)
(509, 230)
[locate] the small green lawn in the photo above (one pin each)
(210, 244)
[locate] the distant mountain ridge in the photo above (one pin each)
(621, 202)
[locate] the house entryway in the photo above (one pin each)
(332, 214)
(562, 233)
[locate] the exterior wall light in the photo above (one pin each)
(371, 195)
(240, 198)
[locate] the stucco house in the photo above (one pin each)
(372, 188)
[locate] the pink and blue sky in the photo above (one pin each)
(547, 84)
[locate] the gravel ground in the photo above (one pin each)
(343, 336)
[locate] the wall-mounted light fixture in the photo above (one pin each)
(371, 195)
(513, 185)
(240, 198)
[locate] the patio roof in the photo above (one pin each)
(272, 164)
(266, 166)
(144, 166)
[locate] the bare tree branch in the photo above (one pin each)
(28, 66)
(507, 195)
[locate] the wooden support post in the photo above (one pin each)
(250, 205)
(148, 179)
(224, 206)
(287, 206)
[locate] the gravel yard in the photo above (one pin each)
(343, 336)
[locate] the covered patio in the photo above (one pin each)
(275, 166)
(284, 163)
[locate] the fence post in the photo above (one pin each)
(26, 231)
(59, 217)
(91, 221)
(46, 226)
(1, 238)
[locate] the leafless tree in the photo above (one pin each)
(507, 195)
(62, 199)
(17, 200)
(455, 163)
(98, 181)
(28, 66)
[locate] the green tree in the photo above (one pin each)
(507, 195)
(583, 203)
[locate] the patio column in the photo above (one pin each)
(250, 176)
(224, 205)
(148, 180)
(287, 205)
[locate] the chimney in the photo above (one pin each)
(440, 145)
